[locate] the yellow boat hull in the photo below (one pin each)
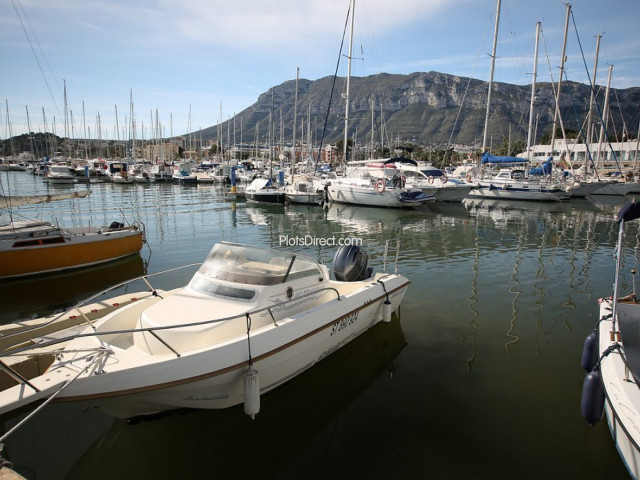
(73, 252)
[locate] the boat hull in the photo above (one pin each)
(622, 395)
(125, 383)
(276, 198)
(366, 196)
(75, 251)
(517, 192)
(616, 188)
(305, 198)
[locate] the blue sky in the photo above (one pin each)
(213, 58)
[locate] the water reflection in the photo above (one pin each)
(493, 324)
(36, 296)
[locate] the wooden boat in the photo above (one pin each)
(249, 320)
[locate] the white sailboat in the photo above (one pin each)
(300, 188)
(506, 177)
(358, 186)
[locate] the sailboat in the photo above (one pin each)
(30, 247)
(506, 177)
(360, 185)
(300, 188)
(264, 190)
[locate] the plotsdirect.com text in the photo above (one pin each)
(311, 241)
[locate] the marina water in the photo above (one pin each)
(478, 377)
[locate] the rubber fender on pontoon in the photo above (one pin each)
(350, 264)
(387, 310)
(592, 401)
(251, 392)
(590, 351)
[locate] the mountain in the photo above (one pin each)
(422, 108)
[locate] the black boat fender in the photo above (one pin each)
(590, 351)
(592, 401)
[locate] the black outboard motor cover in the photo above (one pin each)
(116, 226)
(350, 264)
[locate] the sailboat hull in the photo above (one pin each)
(19, 257)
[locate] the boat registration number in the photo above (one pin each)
(344, 322)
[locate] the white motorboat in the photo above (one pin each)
(184, 175)
(118, 172)
(262, 190)
(249, 320)
(61, 174)
(611, 357)
(302, 191)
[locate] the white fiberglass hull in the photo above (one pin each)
(452, 194)
(518, 191)
(368, 196)
(616, 188)
(305, 198)
(125, 381)
(582, 189)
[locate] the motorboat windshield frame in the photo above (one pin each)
(249, 265)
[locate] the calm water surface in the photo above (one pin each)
(478, 377)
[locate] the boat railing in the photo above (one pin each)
(77, 308)
(29, 349)
(385, 256)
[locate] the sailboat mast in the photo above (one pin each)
(589, 138)
(295, 124)
(493, 66)
(346, 108)
(605, 115)
(533, 91)
(564, 50)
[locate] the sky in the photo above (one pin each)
(188, 64)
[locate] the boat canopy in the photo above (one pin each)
(401, 160)
(488, 158)
(259, 184)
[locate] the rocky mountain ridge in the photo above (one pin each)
(422, 108)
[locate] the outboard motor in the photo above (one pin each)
(116, 226)
(350, 264)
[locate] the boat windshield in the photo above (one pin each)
(255, 266)
(432, 172)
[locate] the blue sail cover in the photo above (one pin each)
(544, 169)
(488, 158)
